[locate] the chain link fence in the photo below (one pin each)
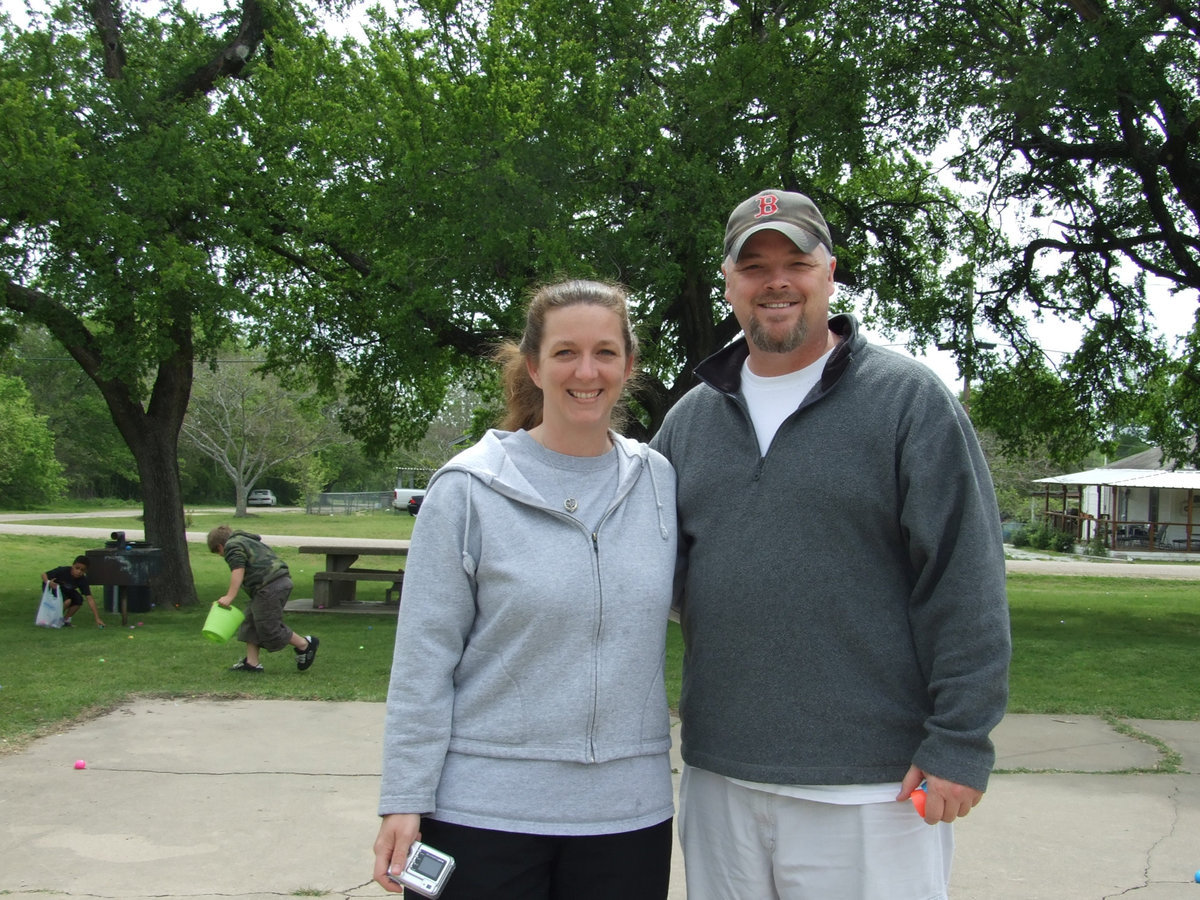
(332, 504)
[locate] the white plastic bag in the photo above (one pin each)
(50, 612)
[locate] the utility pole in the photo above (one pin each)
(966, 351)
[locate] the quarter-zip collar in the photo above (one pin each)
(723, 370)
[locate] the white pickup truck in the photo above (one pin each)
(407, 498)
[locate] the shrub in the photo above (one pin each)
(1039, 537)
(1062, 542)
(1043, 537)
(1098, 544)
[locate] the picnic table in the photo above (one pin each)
(336, 585)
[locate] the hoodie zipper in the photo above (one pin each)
(591, 748)
(595, 538)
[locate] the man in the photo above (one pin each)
(843, 608)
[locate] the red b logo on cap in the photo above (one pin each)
(767, 206)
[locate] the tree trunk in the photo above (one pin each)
(152, 433)
(149, 426)
(162, 507)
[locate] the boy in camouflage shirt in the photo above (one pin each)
(257, 568)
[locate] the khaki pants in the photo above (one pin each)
(264, 619)
(742, 842)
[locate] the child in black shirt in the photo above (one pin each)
(73, 587)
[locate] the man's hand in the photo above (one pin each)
(945, 800)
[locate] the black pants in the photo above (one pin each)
(502, 865)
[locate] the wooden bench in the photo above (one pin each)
(327, 579)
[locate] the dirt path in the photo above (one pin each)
(1100, 567)
(1020, 561)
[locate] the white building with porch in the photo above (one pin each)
(1140, 502)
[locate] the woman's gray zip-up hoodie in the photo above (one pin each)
(524, 639)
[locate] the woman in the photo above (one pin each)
(527, 729)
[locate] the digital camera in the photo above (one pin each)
(426, 870)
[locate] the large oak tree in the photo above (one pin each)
(121, 226)
(455, 164)
(514, 141)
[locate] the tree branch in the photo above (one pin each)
(229, 61)
(107, 16)
(85, 348)
(1187, 18)
(1040, 141)
(64, 325)
(1088, 10)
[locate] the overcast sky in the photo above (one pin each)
(1173, 318)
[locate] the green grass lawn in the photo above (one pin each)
(1108, 646)
(51, 676)
(1119, 646)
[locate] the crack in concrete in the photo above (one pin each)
(1148, 880)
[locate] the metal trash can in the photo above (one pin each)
(124, 568)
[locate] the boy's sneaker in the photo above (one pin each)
(242, 666)
(304, 658)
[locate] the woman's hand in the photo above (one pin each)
(396, 834)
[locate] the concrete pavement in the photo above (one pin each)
(258, 800)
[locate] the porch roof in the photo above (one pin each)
(1185, 479)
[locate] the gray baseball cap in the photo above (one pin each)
(787, 212)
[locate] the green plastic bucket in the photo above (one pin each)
(222, 623)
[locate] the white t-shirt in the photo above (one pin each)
(773, 399)
(837, 794)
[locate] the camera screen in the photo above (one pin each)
(428, 866)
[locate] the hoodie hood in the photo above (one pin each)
(490, 462)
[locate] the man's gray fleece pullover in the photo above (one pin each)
(529, 648)
(844, 608)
